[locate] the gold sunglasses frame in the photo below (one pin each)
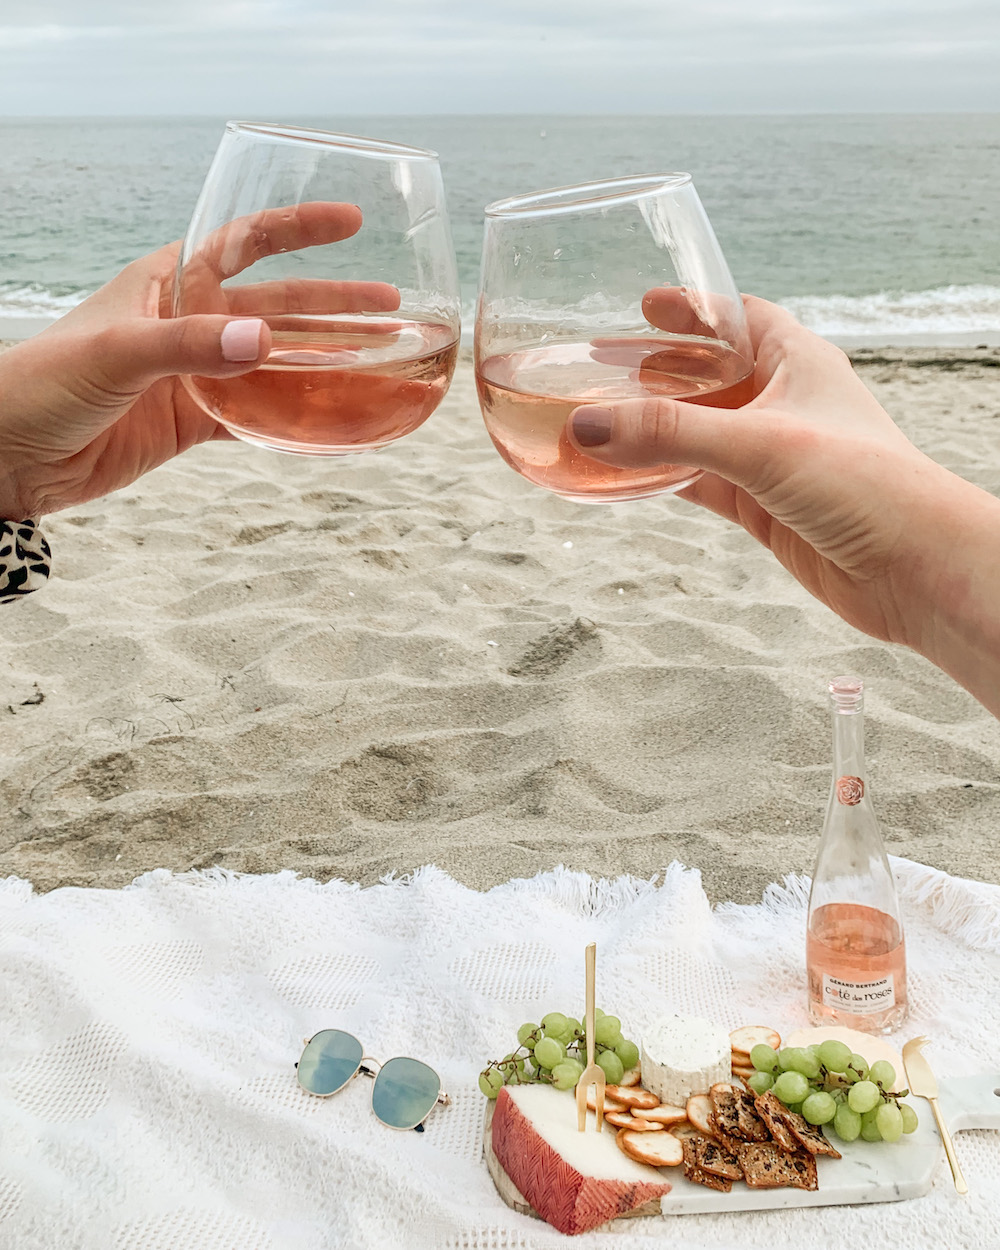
(364, 1068)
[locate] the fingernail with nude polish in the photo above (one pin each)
(241, 340)
(592, 426)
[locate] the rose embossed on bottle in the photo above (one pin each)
(855, 954)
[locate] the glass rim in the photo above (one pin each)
(584, 194)
(363, 145)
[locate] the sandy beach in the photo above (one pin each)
(359, 667)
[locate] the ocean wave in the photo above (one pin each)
(32, 300)
(943, 310)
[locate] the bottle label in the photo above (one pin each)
(850, 791)
(860, 998)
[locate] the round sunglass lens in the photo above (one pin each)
(329, 1061)
(404, 1092)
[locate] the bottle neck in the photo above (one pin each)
(849, 782)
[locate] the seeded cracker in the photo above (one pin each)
(697, 1174)
(751, 1126)
(726, 1119)
(766, 1166)
(771, 1110)
(711, 1157)
(812, 1138)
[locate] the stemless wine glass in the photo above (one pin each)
(363, 306)
(595, 293)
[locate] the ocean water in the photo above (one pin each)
(862, 225)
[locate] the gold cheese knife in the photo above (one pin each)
(922, 1082)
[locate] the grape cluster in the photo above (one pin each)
(828, 1084)
(555, 1052)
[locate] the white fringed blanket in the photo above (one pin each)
(148, 1036)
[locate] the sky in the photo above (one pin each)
(317, 57)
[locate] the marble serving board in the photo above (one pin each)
(868, 1172)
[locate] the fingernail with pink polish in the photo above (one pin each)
(241, 340)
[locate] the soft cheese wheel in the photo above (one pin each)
(684, 1055)
(574, 1180)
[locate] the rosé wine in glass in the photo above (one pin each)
(351, 388)
(341, 244)
(598, 293)
(527, 398)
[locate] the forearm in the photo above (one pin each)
(957, 597)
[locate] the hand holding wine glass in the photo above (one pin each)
(564, 318)
(95, 401)
(342, 375)
(817, 471)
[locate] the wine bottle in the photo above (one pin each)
(855, 953)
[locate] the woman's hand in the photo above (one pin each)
(93, 402)
(819, 473)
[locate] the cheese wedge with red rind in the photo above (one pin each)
(575, 1181)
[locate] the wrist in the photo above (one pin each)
(956, 592)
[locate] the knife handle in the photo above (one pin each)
(949, 1148)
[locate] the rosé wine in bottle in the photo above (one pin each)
(855, 953)
(527, 397)
(338, 386)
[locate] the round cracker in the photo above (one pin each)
(610, 1104)
(620, 1119)
(633, 1096)
(684, 1129)
(632, 1077)
(665, 1114)
(659, 1150)
(700, 1112)
(744, 1039)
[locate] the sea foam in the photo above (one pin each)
(945, 310)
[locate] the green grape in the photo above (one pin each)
(524, 1035)
(819, 1108)
(549, 1052)
(608, 1031)
(834, 1056)
(760, 1082)
(509, 1065)
(910, 1120)
(805, 1062)
(889, 1121)
(566, 1074)
(764, 1058)
(613, 1067)
(869, 1126)
(863, 1097)
(794, 1106)
(598, 1013)
(785, 1057)
(490, 1082)
(554, 1025)
(847, 1123)
(791, 1087)
(573, 1027)
(857, 1069)
(884, 1074)
(627, 1052)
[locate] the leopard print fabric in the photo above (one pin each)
(25, 559)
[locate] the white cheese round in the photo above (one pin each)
(684, 1055)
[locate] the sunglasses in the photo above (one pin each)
(405, 1091)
